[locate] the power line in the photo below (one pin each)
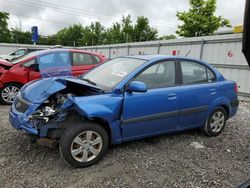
(74, 11)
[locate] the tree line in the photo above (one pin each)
(199, 20)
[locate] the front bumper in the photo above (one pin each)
(19, 121)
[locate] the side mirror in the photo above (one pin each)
(137, 86)
(35, 67)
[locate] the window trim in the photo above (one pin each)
(197, 62)
(152, 64)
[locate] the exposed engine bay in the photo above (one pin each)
(56, 107)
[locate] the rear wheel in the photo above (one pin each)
(216, 122)
(8, 93)
(83, 144)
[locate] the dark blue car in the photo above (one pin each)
(124, 99)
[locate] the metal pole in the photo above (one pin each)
(128, 49)
(158, 48)
(201, 50)
(110, 52)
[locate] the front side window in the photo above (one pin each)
(29, 63)
(195, 73)
(159, 75)
(57, 59)
(82, 59)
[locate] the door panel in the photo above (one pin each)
(150, 113)
(157, 110)
(195, 101)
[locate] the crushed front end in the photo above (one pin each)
(37, 119)
(42, 106)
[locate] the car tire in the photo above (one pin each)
(8, 93)
(215, 122)
(83, 144)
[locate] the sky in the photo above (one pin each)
(52, 15)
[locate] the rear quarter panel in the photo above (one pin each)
(226, 94)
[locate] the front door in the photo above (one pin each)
(155, 111)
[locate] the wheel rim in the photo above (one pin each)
(86, 146)
(9, 93)
(217, 121)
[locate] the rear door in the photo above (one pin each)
(198, 91)
(155, 111)
(81, 62)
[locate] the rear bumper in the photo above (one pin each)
(234, 107)
(235, 103)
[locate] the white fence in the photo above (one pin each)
(223, 51)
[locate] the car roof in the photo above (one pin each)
(157, 57)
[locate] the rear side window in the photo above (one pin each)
(97, 59)
(195, 73)
(82, 59)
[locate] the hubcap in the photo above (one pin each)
(217, 121)
(86, 146)
(9, 93)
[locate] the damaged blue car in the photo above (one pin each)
(126, 98)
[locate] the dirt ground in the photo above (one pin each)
(186, 159)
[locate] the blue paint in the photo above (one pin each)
(134, 115)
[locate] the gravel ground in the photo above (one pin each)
(187, 159)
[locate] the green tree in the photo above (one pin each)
(167, 37)
(143, 31)
(127, 29)
(71, 36)
(21, 37)
(200, 19)
(114, 34)
(4, 31)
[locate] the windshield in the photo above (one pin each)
(109, 74)
(32, 54)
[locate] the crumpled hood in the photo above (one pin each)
(39, 90)
(5, 63)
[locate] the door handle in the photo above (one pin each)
(172, 96)
(212, 91)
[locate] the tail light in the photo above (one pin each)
(236, 88)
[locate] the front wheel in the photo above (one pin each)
(216, 122)
(83, 144)
(8, 93)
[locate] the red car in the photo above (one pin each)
(13, 75)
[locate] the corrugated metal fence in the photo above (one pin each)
(223, 51)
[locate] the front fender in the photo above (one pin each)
(106, 107)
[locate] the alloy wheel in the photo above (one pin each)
(86, 146)
(9, 93)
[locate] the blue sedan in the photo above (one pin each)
(124, 99)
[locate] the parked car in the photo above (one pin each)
(18, 53)
(124, 99)
(13, 75)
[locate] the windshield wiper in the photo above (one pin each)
(89, 81)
